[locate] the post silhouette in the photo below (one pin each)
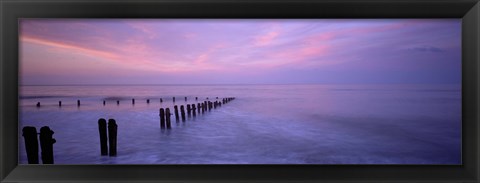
(196, 98)
(102, 130)
(78, 103)
(176, 113)
(133, 101)
(185, 99)
(59, 103)
(189, 109)
(148, 101)
(162, 118)
(112, 137)
(118, 102)
(161, 100)
(104, 102)
(198, 106)
(31, 143)
(167, 118)
(46, 143)
(182, 111)
(173, 99)
(38, 104)
(194, 110)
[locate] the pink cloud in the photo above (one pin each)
(266, 39)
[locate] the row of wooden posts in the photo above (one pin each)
(165, 114)
(118, 101)
(31, 144)
(110, 148)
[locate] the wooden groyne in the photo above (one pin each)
(31, 144)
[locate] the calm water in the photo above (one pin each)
(266, 124)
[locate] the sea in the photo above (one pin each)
(265, 124)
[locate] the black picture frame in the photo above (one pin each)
(467, 10)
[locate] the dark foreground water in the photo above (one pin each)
(266, 124)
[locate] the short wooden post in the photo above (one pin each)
(161, 100)
(205, 105)
(162, 118)
(38, 104)
(148, 101)
(223, 100)
(133, 101)
(112, 137)
(167, 118)
(198, 106)
(182, 111)
(196, 98)
(185, 99)
(174, 99)
(176, 113)
(31, 144)
(104, 102)
(46, 143)
(216, 98)
(102, 129)
(78, 102)
(59, 103)
(189, 109)
(118, 102)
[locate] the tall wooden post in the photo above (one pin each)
(31, 144)
(133, 101)
(162, 118)
(176, 113)
(198, 106)
(46, 143)
(148, 101)
(102, 129)
(118, 102)
(194, 110)
(78, 102)
(104, 102)
(167, 118)
(112, 137)
(182, 111)
(189, 109)
(59, 103)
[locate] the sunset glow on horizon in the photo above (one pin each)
(234, 51)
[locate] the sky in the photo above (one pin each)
(240, 51)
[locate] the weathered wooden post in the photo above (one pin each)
(118, 102)
(59, 103)
(182, 111)
(112, 137)
(223, 100)
(102, 129)
(78, 102)
(196, 98)
(216, 98)
(38, 104)
(162, 118)
(46, 143)
(133, 101)
(189, 109)
(176, 113)
(205, 105)
(173, 99)
(31, 144)
(161, 100)
(198, 106)
(194, 110)
(167, 118)
(104, 102)
(185, 99)
(215, 104)
(148, 101)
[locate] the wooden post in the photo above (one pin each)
(118, 102)
(167, 118)
(198, 106)
(31, 144)
(196, 98)
(216, 98)
(173, 99)
(102, 129)
(133, 101)
(46, 143)
(78, 102)
(161, 100)
(148, 101)
(104, 102)
(38, 104)
(176, 113)
(182, 111)
(185, 99)
(189, 109)
(162, 118)
(112, 137)
(59, 103)
(205, 105)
